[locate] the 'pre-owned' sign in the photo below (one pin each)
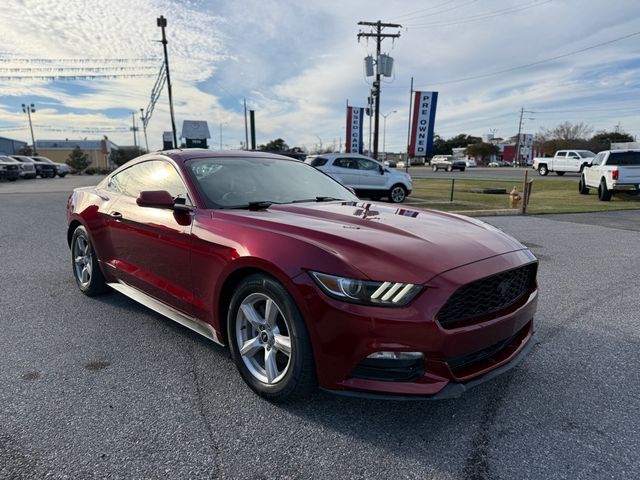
(424, 117)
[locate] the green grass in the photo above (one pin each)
(548, 196)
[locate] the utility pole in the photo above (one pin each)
(144, 128)
(406, 163)
(29, 109)
(162, 23)
(522, 112)
(376, 32)
(246, 128)
(134, 129)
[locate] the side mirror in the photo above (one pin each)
(155, 199)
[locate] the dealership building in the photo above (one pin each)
(59, 150)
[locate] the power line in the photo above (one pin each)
(439, 11)
(79, 60)
(483, 16)
(75, 76)
(532, 64)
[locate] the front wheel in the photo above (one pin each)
(434, 168)
(269, 341)
(582, 187)
(543, 170)
(462, 169)
(85, 266)
(397, 194)
(449, 168)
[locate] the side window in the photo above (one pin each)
(573, 155)
(597, 159)
(364, 164)
(561, 154)
(345, 163)
(318, 162)
(151, 175)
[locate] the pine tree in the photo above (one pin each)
(78, 160)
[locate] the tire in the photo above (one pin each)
(449, 168)
(261, 338)
(543, 171)
(434, 168)
(84, 265)
(397, 193)
(13, 179)
(462, 169)
(62, 175)
(582, 187)
(559, 173)
(604, 194)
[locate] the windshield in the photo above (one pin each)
(586, 153)
(624, 158)
(237, 182)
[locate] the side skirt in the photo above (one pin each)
(198, 326)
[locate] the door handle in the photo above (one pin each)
(116, 215)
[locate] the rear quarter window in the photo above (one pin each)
(318, 162)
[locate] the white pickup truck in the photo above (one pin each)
(563, 161)
(612, 171)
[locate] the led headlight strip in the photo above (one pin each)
(365, 291)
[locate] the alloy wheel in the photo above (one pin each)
(263, 338)
(82, 260)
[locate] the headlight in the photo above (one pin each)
(366, 292)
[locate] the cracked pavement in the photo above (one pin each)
(105, 388)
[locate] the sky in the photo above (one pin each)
(298, 63)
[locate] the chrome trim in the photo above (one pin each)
(192, 323)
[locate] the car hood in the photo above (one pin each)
(382, 241)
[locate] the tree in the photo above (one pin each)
(277, 145)
(603, 140)
(562, 137)
(122, 155)
(78, 160)
(445, 147)
(482, 150)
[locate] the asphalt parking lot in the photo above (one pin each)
(105, 388)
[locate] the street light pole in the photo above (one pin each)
(29, 109)
(162, 23)
(384, 132)
(144, 128)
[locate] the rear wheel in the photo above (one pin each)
(86, 270)
(269, 341)
(604, 194)
(397, 193)
(582, 187)
(543, 170)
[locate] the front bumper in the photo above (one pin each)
(344, 334)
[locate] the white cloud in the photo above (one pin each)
(297, 63)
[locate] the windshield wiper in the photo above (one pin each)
(261, 205)
(317, 199)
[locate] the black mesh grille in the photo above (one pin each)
(486, 296)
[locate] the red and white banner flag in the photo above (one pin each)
(424, 117)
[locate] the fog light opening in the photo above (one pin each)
(396, 355)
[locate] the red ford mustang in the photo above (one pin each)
(306, 284)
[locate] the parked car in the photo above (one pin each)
(61, 168)
(43, 169)
(612, 171)
(368, 177)
(306, 284)
(448, 163)
(9, 170)
(27, 169)
(390, 163)
(471, 163)
(499, 163)
(563, 161)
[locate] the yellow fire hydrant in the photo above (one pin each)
(514, 198)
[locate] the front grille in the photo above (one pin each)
(473, 302)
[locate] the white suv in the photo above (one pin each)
(368, 177)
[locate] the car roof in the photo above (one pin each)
(333, 156)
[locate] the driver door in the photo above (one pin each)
(151, 246)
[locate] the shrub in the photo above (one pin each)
(90, 171)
